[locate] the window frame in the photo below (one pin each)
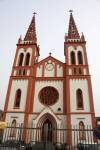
(52, 102)
(16, 96)
(72, 57)
(27, 59)
(79, 108)
(20, 59)
(82, 134)
(80, 57)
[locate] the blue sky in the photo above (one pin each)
(51, 24)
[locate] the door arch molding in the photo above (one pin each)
(52, 126)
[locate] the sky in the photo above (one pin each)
(51, 25)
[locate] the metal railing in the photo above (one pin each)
(49, 138)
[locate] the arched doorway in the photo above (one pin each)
(47, 130)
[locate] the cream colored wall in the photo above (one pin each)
(19, 117)
(85, 72)
(75, 119)
(38, 106)
(28, 72)
(18, 84)
(86, 119)
(15, 72)
(39, 71)
(59, 71)
(83, 85)
(70, 71)
(50, 73)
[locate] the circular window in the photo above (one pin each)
(48, 95)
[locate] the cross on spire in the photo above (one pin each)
(71, 11)
(50, 53)
(34, 13)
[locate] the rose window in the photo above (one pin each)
(48, 95)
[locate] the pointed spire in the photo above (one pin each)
(72, 31)
(31, 32)
(20, 39)
(82, 37)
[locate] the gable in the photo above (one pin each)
(50, 67)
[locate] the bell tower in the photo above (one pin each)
(79, 99)
(19, 99)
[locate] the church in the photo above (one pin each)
(50, 92)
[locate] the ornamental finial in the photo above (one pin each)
(34, 13)
(71, 11)
(50, 54)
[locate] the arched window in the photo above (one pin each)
(73, 58)
(21, 59)
(13, 128)
(79, 97)
(80, 58)
(17, 98)
(82, 135)
(27, 59)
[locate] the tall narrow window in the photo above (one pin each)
(73, 58)
(13, 128)
(82, 135)
(79, 97)
(27, 60)
(21, 59)
(80, 58)
(17, 98)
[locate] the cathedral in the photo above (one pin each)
(50, 92)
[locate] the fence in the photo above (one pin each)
(49, 138)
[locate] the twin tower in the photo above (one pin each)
(50, 92)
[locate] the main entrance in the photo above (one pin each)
(47, 131)
(48, 126)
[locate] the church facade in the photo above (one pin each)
(50, 92)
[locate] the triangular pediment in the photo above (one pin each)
(47, 110)
(50, 67)
(50, 58)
